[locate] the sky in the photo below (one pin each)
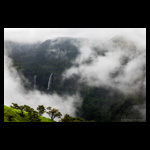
(41, 34)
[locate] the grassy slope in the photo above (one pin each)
(15, 116)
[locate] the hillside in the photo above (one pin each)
(101, 78)
(52, 56)
(13, 115)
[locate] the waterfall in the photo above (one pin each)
(49, 81)
(34, 82)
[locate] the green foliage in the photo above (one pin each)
(41, 109)
(14, 115)
(16, 106)
(53, 113)
(49, 108)
(25, 113)
(32, 114)
(68, 118)
(101, 104)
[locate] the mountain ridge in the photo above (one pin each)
(55, 56)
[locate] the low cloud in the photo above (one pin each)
(41, 34)
(113, 57)
(119, 63)
(14, 92)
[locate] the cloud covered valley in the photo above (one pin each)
(101, 77)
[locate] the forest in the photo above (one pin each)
(99, 103)
(25, 113)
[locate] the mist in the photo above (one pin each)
(119, 62)
(14, 92)
(30, 35)
(112, 58)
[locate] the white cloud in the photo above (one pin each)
(131, 78)
(41, 34)
(14, 92)
(98, 73)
